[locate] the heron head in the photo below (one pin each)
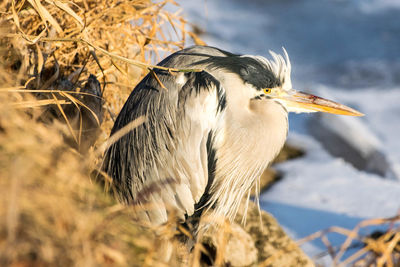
(272, 81)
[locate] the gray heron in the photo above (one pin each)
(207, 135)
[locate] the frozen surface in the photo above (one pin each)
(348, 50)
(321, 182)
(319, 191)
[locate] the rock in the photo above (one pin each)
(257, 243)
(237, 245)
(350, 139)
(274, 246)
(288, 152)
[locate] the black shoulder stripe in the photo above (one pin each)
(212, 162)
(199, 81)
(221, 98)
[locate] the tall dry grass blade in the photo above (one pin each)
(75, 100)
(353, 257)
(93, 53)
(114, 26)
(68, 10)
(328, 244)
(45, 15)
(318, 234)
(38, 103)
(222, 243)
(120, 133)
(72, 99)
(135, 62)
(115, 56)
(65, 117)
(383, 245)
(388, 251)
(13, 89)
(154, 74)
(80, 128)
(172, 24)
(184, 231)
(15, 16)
(119, 68)
(20, 89)
(40, 61)
(16, 20)
(196, 39)
(353, 234)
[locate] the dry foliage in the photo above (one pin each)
(52, 212)
(114, 40)
(379, 249)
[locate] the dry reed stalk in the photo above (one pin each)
(383, 250)
(54, 213)
(115, 40)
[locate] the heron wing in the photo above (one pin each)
(164, 163)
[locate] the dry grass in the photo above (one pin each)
(381, 248)
(52, 212)
(114, 40)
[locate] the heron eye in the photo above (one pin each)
(267, 90)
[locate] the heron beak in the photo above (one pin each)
(302, 102)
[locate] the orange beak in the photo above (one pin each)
(302, 102)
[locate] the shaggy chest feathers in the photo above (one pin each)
(245, 144)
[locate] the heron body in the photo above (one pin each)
(207, 135)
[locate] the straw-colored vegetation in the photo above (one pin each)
(380, 248)
(52, 209)
(52, 212)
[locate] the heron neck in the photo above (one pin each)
(254, 132)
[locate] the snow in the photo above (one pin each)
(319, 191)
(371, 6)
(321, 182)
(348, 51)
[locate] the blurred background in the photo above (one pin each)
(344, 50)
(55, 54)
(348, 43)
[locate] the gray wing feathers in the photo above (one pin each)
(162, 164)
